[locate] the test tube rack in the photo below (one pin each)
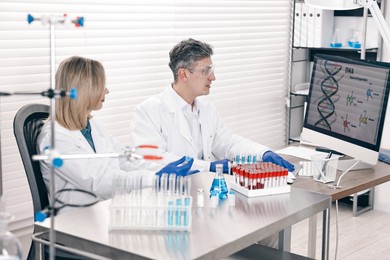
(161, 207)
(260, 179)
(145, 210)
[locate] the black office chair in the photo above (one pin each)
(28, 124)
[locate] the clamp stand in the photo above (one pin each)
(53, 21)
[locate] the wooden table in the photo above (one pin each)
(352, 183)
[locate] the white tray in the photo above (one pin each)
(260, 192)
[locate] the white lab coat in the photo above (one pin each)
(160, 121)
(94, 175)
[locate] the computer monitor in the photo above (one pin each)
(346, 107)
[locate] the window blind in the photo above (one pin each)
(132, 39)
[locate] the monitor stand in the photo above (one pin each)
(344, 164)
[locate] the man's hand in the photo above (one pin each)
(274, 158)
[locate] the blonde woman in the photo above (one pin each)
(76, 132)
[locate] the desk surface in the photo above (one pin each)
(216, 233)
(352, 182)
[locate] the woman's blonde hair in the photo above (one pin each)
(88, 77)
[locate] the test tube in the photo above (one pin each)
(243, 158)
(170, 213)
(249, 158)
(187, 186)
(164, 183)
(187, 202)
(255, 158)
(178, 211)
(172, 184)
(156, 184)
(180, 185)
(237, 159)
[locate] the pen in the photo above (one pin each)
(325, 164)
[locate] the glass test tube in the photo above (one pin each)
(164, 184)
(187, 186)
(172, 184)
(180, 185)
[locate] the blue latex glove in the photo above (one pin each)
(225, 163)
(180, 167)
(274, 158)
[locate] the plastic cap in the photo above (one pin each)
(30, 18)
(57, 162)
(80, 21)
(73, 93)
(40, 216)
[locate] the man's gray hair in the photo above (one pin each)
(186, 53)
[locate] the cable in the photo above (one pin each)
(337, 186)
(50, 211)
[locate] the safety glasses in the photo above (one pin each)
(204, 72)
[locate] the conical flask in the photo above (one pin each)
(335, 41)
(219, 183)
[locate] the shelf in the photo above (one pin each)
(368, 49)
(302, 93)
(345, 52)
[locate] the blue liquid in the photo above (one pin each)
(186, 213)
(336, 45)
(220, 185)
(357, 45)
(170, 213)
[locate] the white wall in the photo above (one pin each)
(382, 192)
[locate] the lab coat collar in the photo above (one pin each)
(174, 104)
(82, 142)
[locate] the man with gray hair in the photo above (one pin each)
(181, 124)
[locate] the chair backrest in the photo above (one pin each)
(28, 124)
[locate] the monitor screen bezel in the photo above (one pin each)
(374, 147)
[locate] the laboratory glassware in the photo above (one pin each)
(335, 41)
(10, 248)
(219, 183)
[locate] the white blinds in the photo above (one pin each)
(132, 39)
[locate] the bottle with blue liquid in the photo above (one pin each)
(219, 183)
